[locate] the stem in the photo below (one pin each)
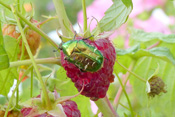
(1, 36)
(154, 45)
(106, 108)
(131, 109)
(38, 61)
(120, 91)
(17, 85)
(62, 17)
(18, 5)
(32, 26)
(137, 76)
(47, 20)
(126, 107)
(84, 15)
(48, 103)
(31, 93)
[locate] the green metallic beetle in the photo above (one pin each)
(84, 56)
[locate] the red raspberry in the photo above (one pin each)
(71, 109)
(33, 38)
(95, 84)
(27, 111)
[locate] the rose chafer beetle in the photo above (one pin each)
(84, 56)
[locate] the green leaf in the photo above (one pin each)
(158, 52)
(133, 49)
(116, 15)
(4, 60)
(7, 77)
(11, 46)
(141, 36)
(145, 67)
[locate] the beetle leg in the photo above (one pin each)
(87, 37)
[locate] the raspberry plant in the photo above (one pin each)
(72, 81)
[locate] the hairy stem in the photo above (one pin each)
(48, 103)
(38, 61)
(62, 17)
(106, 108)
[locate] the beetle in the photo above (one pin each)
(83, 55)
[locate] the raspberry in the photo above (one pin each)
(33, 38)
(156, 86)
(95, 83)
(27, 111)
(70, 109)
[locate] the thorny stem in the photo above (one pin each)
(84, 15)
(48, 103)
(38, 61)
(105, 107)
(124, 81)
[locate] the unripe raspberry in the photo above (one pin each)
(33, 38)
(156, 86)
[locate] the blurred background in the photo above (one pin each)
(148, 15)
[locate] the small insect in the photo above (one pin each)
(84, 56)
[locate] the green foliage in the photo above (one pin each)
(11, 46)
(4, 60)
(136, 52)
(115, 16)
(141, 36)
(145, 67)
(7, 76)
(146, 61)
